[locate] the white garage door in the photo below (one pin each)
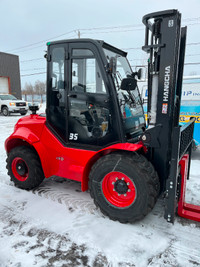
(4, 88)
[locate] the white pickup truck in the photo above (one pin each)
(10, 104)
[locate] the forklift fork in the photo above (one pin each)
(178, 175)
(186, 210)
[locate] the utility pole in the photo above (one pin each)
(79, 33)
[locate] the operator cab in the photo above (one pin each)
(92, 94)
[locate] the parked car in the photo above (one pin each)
(10, 104)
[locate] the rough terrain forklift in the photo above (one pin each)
(94, 130)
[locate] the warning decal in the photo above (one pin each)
(164, 108)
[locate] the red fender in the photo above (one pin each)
(19, 136)
(24, 136)
(28, 128)
(116, 147)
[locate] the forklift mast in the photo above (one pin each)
(164, 86)
(165, 41)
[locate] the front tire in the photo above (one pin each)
(124, 186)
(24, 168)
(5, 111)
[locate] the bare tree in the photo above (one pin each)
(40, 88)
(28, 90)
(24, 93)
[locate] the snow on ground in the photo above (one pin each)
(58, 225)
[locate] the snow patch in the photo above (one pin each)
(58, 225)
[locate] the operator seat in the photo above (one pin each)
(75, 126)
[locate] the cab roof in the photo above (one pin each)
(98, 43)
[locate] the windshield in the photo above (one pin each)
(122, 66)
(129, 101)
(8, 97)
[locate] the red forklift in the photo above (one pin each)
(94, 130)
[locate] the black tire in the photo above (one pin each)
(5, 111)
(25, 161)
(142, 177)
(23, 113)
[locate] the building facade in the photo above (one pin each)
(10, 75)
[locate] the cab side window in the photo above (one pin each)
(89, 114)
(56, 104)
(86, 75)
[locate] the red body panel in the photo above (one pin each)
(28, 128)
(188, 211)
(57, 159)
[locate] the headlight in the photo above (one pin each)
(12, 104)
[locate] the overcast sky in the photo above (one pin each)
(25, 23)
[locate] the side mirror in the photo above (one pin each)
(128, 84)
(140, 73)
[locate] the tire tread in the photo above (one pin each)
(32, 157)
(144, 165)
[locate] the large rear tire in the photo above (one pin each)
(124, 186)
(24, 168)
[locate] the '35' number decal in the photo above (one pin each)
(73, 136)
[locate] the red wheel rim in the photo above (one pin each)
(20, 169)
(119, 189)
